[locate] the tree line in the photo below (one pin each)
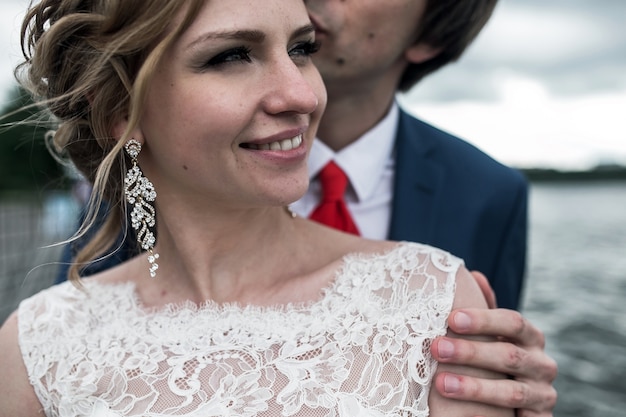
(26, 164)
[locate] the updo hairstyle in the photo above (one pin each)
(89, 63)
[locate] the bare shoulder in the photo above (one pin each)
(332, 245)
(447, 261)
(17, 397)
(468, 293)
(374, 246)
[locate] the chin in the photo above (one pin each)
(294, 194)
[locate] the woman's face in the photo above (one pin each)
(234, 105)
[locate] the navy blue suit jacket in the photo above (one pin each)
(449, 194)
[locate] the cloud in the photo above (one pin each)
(543, 85)
(11, 12)
(530, 128)
(572, 47)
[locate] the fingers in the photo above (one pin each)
(500, 393)
(485, 288)
(503, 357)
(502, 323)
(518, 351)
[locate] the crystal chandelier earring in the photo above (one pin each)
(139, 193)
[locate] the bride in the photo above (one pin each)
(197, 116)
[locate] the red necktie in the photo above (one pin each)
(332, 210)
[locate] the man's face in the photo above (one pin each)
(363, 40)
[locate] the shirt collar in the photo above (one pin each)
(365, 159)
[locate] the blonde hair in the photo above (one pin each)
(89, 62)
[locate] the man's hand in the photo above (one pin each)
(518, 350)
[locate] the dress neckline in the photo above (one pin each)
(128, 289)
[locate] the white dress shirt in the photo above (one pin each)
(369, 164)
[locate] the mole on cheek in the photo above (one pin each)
(340, 61)
(371, 35)
(185, 167)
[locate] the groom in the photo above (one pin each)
(411, 181)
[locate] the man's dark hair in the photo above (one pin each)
(448, 25)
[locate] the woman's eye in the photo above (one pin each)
(304, 49)
(239, 54)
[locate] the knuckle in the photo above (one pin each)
(541, 406)
(552, 369)
(519, 396)
(541, 339)
(475, 389)
(518, 323)
(516, 358)
(470, 387)
(551, 399)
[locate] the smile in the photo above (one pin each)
(281, 145)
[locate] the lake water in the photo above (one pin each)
(576, 292)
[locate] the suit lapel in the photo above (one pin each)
(418, 184)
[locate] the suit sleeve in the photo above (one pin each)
(508, 278)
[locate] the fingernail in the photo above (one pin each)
(445, 349)
(451, 384)
(462, 321)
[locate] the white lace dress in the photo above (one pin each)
(362, 349)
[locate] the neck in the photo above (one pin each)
(230, 262)
(352, 111)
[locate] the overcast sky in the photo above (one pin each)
(544, 84)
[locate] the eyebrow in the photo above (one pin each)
(304, 30)
(253, 36)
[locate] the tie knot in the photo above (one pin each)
(334, 182)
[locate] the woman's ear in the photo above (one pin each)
(120, 128)
(420, 52)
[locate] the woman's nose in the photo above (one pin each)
(292, 88)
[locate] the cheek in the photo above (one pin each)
(186, 134)
(190, 115)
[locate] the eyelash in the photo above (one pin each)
(308, 47)
(241, 54)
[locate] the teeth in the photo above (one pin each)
(283, 145)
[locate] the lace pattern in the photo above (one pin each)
(362, 349)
